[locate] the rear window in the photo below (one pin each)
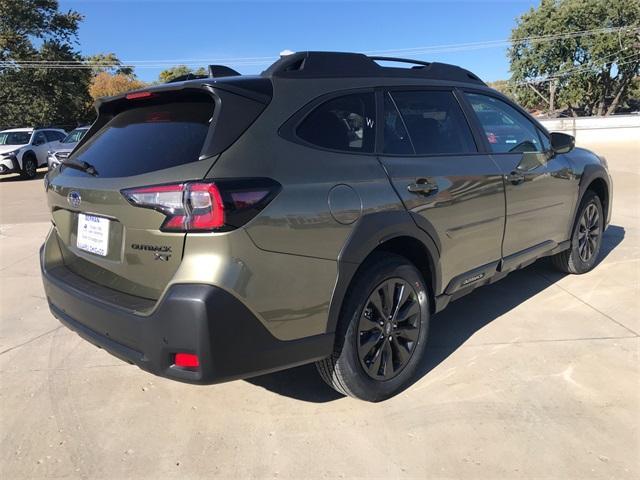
(147, 138)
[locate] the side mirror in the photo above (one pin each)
(562, 143)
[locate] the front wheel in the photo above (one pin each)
(29, 167)
(382, 333)
(586, 238)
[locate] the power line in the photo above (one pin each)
(255, 61)
(594, 64)
(506, 42)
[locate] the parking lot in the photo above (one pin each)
(535, 376)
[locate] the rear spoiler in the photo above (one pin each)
(215, 71)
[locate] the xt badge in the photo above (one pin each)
(160, 252)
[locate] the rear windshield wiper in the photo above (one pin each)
(81, 165)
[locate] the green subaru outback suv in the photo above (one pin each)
(323, 211)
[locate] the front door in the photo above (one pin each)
(537, 184)
(40, 147)
(453, 190)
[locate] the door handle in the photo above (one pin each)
(515, 178)
(422, 187)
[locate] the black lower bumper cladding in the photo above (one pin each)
(200, 319)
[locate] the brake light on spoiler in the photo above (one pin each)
(205, 206)
(136, 95)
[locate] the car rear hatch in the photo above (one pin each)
(168, 135)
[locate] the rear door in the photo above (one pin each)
(538, 185)
(102, 236)
(453, 189)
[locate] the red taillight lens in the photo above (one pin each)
(205, 206)
(189, 207)
(186, 360)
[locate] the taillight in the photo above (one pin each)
(205, 206)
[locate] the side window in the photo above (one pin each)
(546, 143)
(435, 122)
(52, 136)
(507, 130)
(344, 123)
(396, 139)
(39, 139)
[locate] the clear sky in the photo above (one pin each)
(214, 30)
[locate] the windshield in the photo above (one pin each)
(75, 136)
(14, 138)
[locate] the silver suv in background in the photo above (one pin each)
(62, 150)
(24, 150)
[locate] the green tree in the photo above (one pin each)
(31, 32)
(178, 71)
(503, 86)
(105, 84)
(590, 64)
(109, 63)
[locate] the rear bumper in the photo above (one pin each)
(202, 319)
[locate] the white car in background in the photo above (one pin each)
(61, 151)
(24, 150)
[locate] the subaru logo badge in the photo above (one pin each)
(74, 199)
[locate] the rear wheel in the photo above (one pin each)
(29, 167)
(586, 238)
(382, 332)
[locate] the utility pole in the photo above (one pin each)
(552, 96)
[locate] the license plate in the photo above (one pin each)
(93, 234)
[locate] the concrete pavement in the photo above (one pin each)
(536, 376)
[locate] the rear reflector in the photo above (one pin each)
(186, 360)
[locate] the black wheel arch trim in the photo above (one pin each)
(591, 173)
(371, 231)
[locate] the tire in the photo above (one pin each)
(29, 167)
(357, 368)
(586, 238)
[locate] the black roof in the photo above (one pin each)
(309, 65)
(341, 64)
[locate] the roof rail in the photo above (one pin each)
(341, 64)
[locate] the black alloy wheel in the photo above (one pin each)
(589, 232)
(389, 328)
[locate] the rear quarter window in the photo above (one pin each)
(147, 138)
(344, 123)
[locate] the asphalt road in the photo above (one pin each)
(536, 376)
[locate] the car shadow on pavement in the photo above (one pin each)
(15, 177)
(449, 329)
